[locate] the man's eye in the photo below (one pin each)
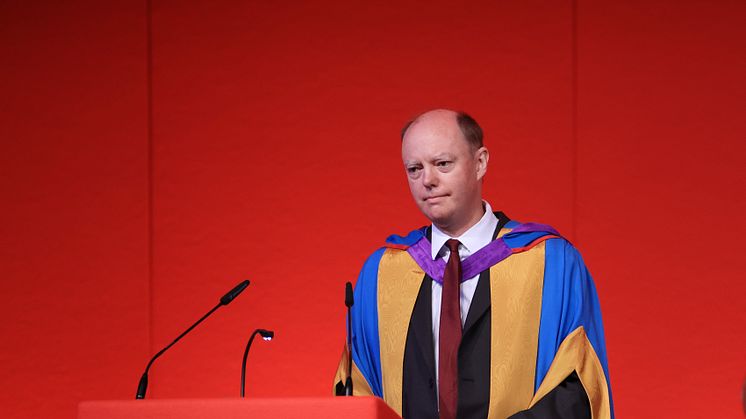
(412, 169)
(443, 163)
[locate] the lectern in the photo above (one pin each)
(289, 408)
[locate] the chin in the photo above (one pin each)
(439, 218)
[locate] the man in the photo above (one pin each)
(475, 316)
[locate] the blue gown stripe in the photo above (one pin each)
(569, 300)
(512, 224)
(407, 240)
(514, 240)
(366, 350)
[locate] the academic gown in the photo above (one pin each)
(532, 344)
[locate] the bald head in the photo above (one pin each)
(445, 169)
(470, 129)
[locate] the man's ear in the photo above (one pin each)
(483, 157)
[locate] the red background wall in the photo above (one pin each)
(155, 154)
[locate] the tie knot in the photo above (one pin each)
(453, 245)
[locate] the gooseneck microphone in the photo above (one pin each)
(142, 386)
(266, 335)
(349, 301)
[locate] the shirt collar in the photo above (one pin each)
(475, 238)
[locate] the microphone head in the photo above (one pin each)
(266, 334)
(349, 296)
(227, 298)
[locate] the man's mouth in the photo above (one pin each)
(434, 197)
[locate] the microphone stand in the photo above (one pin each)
(267, 335)
(142, 386)
(349, 301)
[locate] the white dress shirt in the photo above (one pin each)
(475, 238)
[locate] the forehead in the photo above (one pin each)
(432, 136)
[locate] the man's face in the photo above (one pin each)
(443, 170)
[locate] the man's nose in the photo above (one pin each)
(429, 177)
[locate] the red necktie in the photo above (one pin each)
(450, 335)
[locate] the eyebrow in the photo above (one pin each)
(442, 156)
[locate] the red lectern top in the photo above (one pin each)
(290, 408)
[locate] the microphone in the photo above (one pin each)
(349, 301)
(142, 386)
(266, 335)
(227, 298)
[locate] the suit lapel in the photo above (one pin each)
(480, 303)
(422, 324)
